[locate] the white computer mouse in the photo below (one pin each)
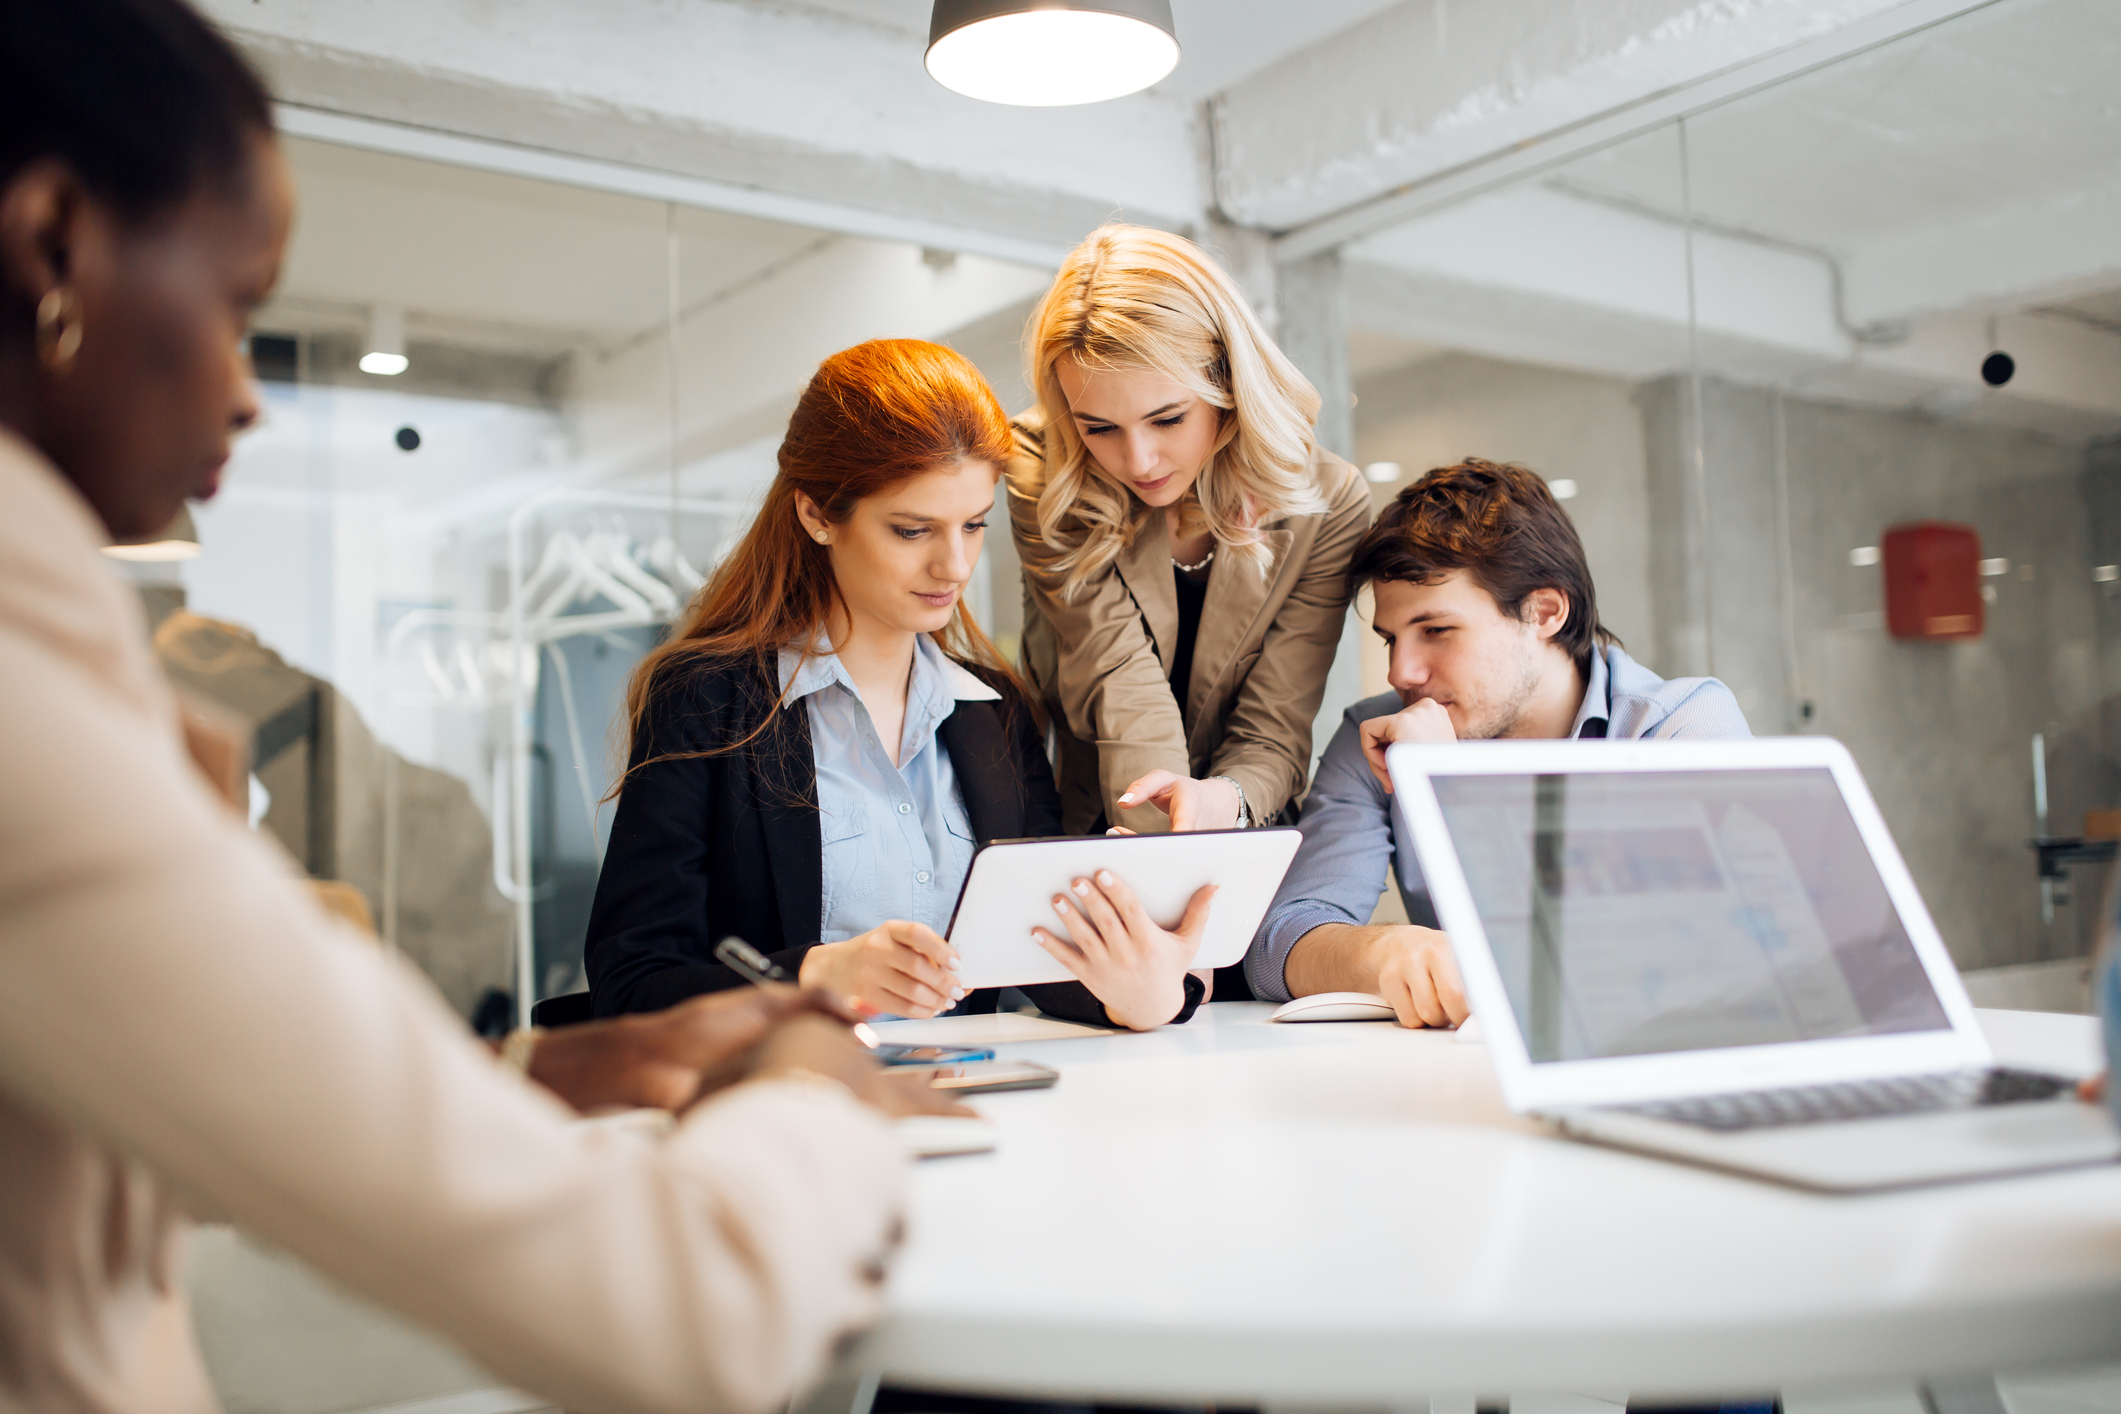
(1336, 1006)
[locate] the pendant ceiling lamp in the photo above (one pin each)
(1048, 53)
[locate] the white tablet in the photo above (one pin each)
(1010, 888)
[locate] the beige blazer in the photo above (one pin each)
(1102, 661)
(178, 1017)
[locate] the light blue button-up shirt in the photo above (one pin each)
(897, 840)
(1354, 840)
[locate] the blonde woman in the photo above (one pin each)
(1185, 542)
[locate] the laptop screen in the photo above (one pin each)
(1638, 913)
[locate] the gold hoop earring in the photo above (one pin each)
(58, 328)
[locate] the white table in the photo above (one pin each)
(1346, 1215)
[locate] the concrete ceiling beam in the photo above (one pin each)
(1433, 86)
(1540, 275)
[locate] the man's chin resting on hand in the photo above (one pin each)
(1484, 602)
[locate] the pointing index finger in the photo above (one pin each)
(1147, 788)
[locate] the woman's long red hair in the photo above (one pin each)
(874, 416)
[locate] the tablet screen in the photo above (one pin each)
(1012, 884)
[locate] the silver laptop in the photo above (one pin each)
(1713, 951)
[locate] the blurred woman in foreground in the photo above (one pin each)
(178, 1015)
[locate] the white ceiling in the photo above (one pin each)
(1220, 41)
(2013, 106)
(1956, 181)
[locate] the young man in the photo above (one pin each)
(1485, 604)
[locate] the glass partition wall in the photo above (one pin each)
(1748, 344)
(422, 591)
(1743, 346)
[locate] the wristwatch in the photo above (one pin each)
(1244, 807)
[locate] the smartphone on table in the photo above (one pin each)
(982, 1077)
(889, 1054)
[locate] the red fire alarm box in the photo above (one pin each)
(1933, 581)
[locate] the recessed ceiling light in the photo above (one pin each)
(1050, 53)
(386, 342)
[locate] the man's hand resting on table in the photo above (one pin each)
(1418, 975)
(1426, 720)
(1410, 967)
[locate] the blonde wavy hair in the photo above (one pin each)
(1129, 299)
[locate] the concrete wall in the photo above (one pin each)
(1563, 425)
(1942, 731)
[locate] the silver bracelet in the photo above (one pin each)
(1244, 807)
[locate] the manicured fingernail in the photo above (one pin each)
(1104, 876)
(1060, 905)
(1082, 889)
(1127, 798)
(957, 994)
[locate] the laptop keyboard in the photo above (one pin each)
(1860, 1099)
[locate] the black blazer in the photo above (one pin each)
(710, 846)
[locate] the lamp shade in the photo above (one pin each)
(179, 540)
(386, 342)
(1049, 53)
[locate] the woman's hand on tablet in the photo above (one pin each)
(1191, 804)
(1134, 967)
(901, 968)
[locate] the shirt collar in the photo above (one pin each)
(936, 675)
(1597, 705)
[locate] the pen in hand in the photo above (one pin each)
(758, 969)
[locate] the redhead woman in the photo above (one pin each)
(819, 748)
(1185, 542)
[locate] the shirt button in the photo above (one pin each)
(921, 878)
(904, 808)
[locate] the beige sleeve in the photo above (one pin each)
(1112, 688)
(173, 992)
(1266, 745)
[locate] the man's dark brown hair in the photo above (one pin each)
(1500, 524)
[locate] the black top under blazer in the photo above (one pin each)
(712, 846)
